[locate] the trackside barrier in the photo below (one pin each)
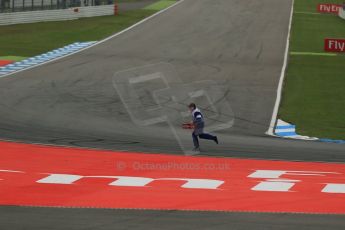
(55, 15)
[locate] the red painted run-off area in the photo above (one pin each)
(5, 62)
(93, 180)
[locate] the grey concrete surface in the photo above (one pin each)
(134, 5)
(237, 44)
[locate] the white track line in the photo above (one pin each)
(270, 130)
(102, 41)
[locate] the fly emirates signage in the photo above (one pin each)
(65, 177)
(329, 8)
(335, 45)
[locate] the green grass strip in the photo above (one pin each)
(160, 5)
(36, 38)
(12, 58)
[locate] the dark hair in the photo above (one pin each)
(192, 105)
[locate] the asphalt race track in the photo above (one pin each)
(75, 219)
(84, 100)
